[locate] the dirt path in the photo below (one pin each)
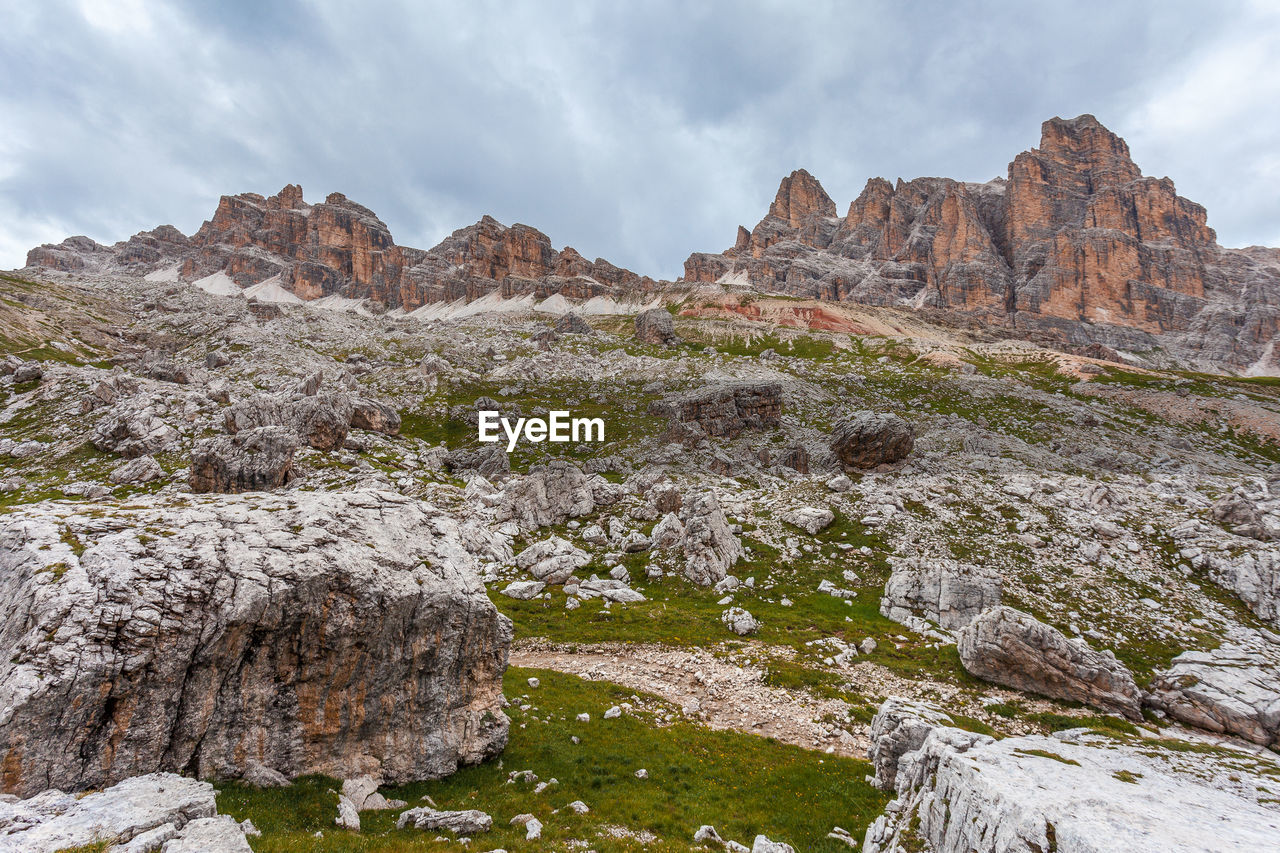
(722, 693)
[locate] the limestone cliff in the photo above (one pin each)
(1075, 244)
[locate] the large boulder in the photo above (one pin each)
(490, 461)
(867, 439)
(553, 560)
(320, 420)
(710, 547)
(572, 324)
(655, 327)
(1234, 690)
(938, 592)
(375, 416)
(1012, 648)
(141, 813)
(548, 494)
(321, 632)
(132, 434)
(256, 459)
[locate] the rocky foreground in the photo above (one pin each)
(978, 594)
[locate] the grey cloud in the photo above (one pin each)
(636, 132)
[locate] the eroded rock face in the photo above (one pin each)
(1075, 243)
(1012, 648)
(1254, 576)
(1233, 689)
(655, 327)
(375, 416)
(155, 809)
(235, 629)
(553, 560)
(340, 248)
(938, 592)
(899, 727)
(133, 434)
(961, 792)
(258, 459)
(867, 439)
(710, 546)
(548, 494)
(724, 410)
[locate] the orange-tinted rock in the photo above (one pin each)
(1076, 245)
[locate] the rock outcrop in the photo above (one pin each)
(318, 632)
(961, 792)
(258, 459)
(724, 410)
(548, 494)
(867, 439)
(711, 548)
(1074, 245)
(138, 814)
(921, 593)
(1012, 648)
(900, 726)
(1234, 690)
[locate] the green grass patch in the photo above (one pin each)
(742, 784)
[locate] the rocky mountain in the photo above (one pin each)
(341, 248)
(1074, 248)
(1075, 245)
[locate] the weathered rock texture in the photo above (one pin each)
(867, 439)
(899, 727)
(724, 410)
(655, 327)
(1076, 244)
(141, 813)
(258, 459)
(1234, 689)
(336, 633)
(341, 248)
(710, 546)
(938, 592)
(1012, 648)
(961, 792)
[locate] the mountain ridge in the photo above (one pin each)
(1075, 245)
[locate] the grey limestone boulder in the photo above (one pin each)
(1012, 648)
(322, 632)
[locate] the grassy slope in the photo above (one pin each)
(741, 784)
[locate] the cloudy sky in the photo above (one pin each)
(634, 131)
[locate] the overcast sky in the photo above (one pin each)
(635, 131)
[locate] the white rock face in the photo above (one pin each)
(125, 623)
(1254, 576)
(158, 808)
(939, 592)
(899, 727)
(549, 494)
(962, 792)
(711, 548)
(553, 560)
(1234, 689)
(810, 519)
